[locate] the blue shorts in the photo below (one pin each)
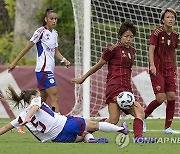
(74, 127)
(45, 80)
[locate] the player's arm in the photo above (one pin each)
(30, 113)
(151, 59)
(93, 69)
(61, 58)
(6, 128)
(175, 61)
(20, 55)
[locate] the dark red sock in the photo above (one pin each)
(169, 113)
(138, 127)
(151, 107)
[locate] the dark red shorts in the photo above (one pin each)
(163, 84)
(114, 90)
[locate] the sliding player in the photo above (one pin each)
(47, 125)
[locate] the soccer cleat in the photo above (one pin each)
(98, 140)
(144, 126)
(170, 131)
(145, 140)
(21, 130)
(125, 130)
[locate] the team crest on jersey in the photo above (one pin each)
(162, 40)
(158, 88)
(124, 55)
(47, 36)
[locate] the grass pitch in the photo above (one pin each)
(15, 143)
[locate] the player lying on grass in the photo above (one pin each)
(47, 125)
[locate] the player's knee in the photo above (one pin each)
(161, 98)
(171, 97)
(140, 113)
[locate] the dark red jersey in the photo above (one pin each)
(120, 61)
(164, 48)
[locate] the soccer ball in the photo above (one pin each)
(125, 100)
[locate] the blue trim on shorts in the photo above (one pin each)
(74, 127)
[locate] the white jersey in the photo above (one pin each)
(46, 42)
(45, 124)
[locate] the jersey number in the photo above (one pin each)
(38, 123)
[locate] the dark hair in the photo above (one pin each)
(48, 11)
(127, 25)
(17, 99)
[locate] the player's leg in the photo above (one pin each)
(138, 113)
(52, 92)
(160, 98)
(114, 113)
(44, 95)
(48, 87)
(170, 89)
(103, 126)
(158, 83)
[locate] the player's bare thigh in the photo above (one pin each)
(137, 111)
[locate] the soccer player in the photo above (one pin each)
(46, 40)
(47, 125)
(162, 66)
(120, 58)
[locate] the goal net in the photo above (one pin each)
(105, 19)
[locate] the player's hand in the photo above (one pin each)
(11, 67)
(67, 63)
(77, 80)
(25, 122)
(153, 70)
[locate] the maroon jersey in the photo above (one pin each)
(120, 61)
(164, 48)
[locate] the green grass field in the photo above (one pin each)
(15, 143)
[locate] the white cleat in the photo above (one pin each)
(170, 131)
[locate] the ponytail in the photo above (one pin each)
(22, 99)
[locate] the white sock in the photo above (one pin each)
(87, 137)
(108, 127)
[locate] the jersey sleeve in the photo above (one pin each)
(107, 54)
(176, 45)
(153, 39)
(37, 35)
(15, 122)
(36, 101)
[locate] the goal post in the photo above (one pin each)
(86, 57)
(96, 26)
